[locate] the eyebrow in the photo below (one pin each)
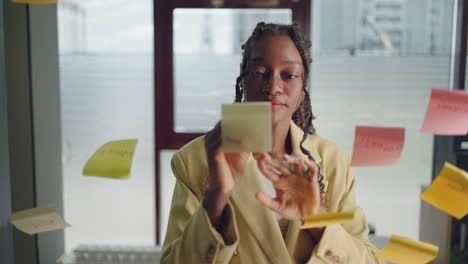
(260, 59)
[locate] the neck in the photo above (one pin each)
(280, 135)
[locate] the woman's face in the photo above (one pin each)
(275, 74)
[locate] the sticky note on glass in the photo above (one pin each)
(377, 146)
(449, 191)
(38, 220)
(246, 127)
(327, 219)
(447, 113)
(112, 160)
(403, 250)
(34, 1)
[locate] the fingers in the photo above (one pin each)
(257, 155)
(267, 170)
(213, 139)
(273, 169)
(267, 201)
(213, 146)
(313, 169)
(313, 179)
(297, 162)
(277, 166)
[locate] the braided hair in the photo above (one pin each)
(303, 116)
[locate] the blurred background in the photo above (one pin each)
(374, 64)
(106, 70)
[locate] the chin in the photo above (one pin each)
(278, 118)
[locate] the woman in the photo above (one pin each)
(221, 211)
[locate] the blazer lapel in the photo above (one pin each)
(296, 134)
(261, 221)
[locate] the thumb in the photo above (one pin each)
(257, 155)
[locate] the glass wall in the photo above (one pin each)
(375, 62)
(106, 79)
(207, 55)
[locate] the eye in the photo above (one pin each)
(259, 73)
(290, 76)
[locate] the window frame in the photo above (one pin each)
(166, 138)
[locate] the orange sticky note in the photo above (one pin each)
(447, 113)
(449, 191)
(403, 250)
(376, 146)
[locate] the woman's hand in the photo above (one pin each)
(296, 184)
(225, 170)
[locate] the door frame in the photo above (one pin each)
(166, 137)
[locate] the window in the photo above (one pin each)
(369, 70)
(106, 72)
(188, 89)
(207, 54)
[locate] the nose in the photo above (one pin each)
(273, 84)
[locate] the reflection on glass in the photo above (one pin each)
(375, 62)
(207, 55)
(382, 27)
(106, 72)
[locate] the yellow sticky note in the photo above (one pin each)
(449, 191)
(403, 250)
(113, 160)
(327, 219)
(34, 1)
(246, 127)
(38, 220)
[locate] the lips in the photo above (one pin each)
(275, 105)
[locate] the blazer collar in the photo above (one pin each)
(262, 221)
(296, 137)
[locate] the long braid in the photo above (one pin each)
(245, 56)
(303, 116)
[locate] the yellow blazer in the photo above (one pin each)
(252, 233)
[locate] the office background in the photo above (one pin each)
(375, 62)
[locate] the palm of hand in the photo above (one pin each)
(296, 197)
(297, 189)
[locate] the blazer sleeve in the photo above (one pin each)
(346, 243)
(190, 236)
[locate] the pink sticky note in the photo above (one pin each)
(376, 146)
(447, 113)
